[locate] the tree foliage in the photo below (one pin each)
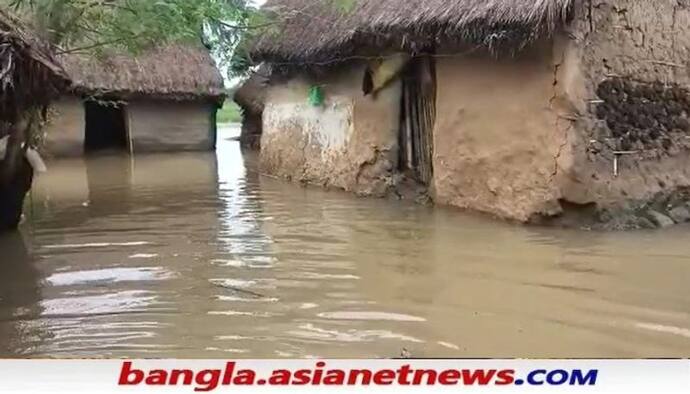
(132, 25)
(95, 26)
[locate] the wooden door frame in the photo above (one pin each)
(417, 118)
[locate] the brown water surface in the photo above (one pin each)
(196, 255)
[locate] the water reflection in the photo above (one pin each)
(196, 255)
(20, 295)
(241, 235)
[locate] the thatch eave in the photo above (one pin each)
(318, 33)
(31, 76)
(175, 72)
(215, 96)
(40, 51)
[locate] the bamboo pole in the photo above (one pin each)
(408, 128)
(415, 126)
(424, 138)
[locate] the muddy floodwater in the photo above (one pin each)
(197, 255)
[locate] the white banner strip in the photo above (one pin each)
(344, 376)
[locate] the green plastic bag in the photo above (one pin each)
(316, 96)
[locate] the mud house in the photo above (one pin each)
(527, 110)
(250, 96)
(29, 78)
(164, 99)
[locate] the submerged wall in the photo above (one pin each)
(252, 127)
(154, 126)
(64, 133)
(164, 126)
(349, 143)
(496, 138)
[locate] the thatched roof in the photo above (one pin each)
(325, 31)
(176, 72)
(29, 75)
(251, 95)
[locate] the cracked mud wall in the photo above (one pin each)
(521, 138)
(528, 138)
(348, 143)
(628, 65)
(498, 138)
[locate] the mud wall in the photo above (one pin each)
(65, 130)
(160, 126)
(250, 136)
(350, 142)
(497, 139)
(625, 73)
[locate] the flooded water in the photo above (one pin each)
(196, 255)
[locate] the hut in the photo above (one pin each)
(29, 79)
(524, 109)
(250, 96)
(163, 99)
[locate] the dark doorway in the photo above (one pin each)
(417, 120)
(105, 127)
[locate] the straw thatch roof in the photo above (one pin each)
(29, 75)
(251, 95)
(324, 31)
(175, 72)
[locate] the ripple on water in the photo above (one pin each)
(229, 263)
(252, 262)
(234, 283)
(310, 331)
(144, 256)
(671, 330)
(113, 303)
(231, 351)
(371, 316)
(110, 275)
(318, 276)
(226, 240)
(246, 299)
(448, 345)
(263, 315)
(96, 245)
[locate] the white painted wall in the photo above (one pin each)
(350, 142)
(330, 127)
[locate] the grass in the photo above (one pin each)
(230, 113)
